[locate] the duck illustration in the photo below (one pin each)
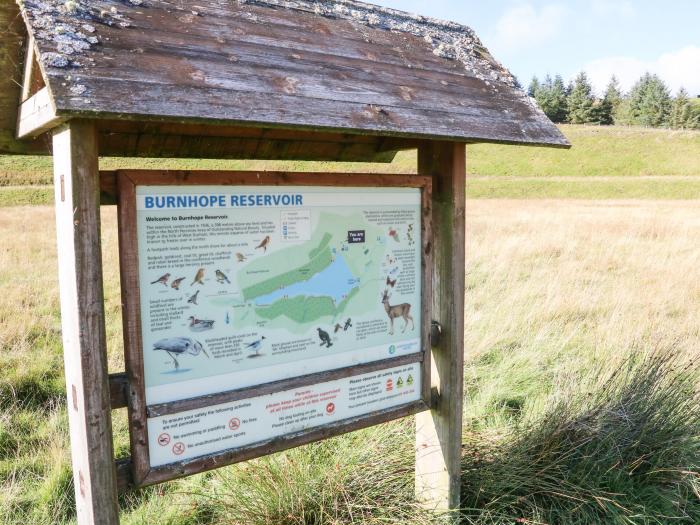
(199, 278)
(240, 257)
(264, 243)
(221, 277)
(163, 279)
(325, 338)
(255, 347)
(193, 299)
(200, 325)
(178, 346)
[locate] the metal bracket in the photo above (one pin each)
(435, 333)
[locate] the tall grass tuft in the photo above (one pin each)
(361, 478)
(624, 449)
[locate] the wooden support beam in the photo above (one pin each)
(439, 432)
(76, 182)
(28, 69)
(118, 386)
(37, 115)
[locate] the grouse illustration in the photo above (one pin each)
(255, 347)
(348, 324)
(240, 257)
(193, 299)
(178, 346)
(199, 278)
(338, 328)
(221, 277)
(200, 325)
(325, 338)
(389, 282)
(177, 282)
(162, 280)
(264, 243)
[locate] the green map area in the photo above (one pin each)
(316, 279)
(319, 259)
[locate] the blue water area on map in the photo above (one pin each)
(336, 281)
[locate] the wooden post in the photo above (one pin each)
(439, 432)
(76, 181)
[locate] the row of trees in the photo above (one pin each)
(649, 103)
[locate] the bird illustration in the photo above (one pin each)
(264, 243)
(348, 324)
(163, 279)
(255, 347)
(325, 338)
(199, 278)
(200, 325)
(338, 328)
(221, 277)
(240, 257)
(394, 234)
(179, 345)
(177, 282)
(389, 282)
(193, 299)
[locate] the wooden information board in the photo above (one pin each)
(267, 310)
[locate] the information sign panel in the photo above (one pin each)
(268, 305)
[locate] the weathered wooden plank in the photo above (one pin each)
(212, 147)
(249, 64)
(37, 115)
(131, 319)
(76, 184)
(12, 44)
(314, 74)
(113, 98)
(165, 409)
(118, 390)
(439, 432)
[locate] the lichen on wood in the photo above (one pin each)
(448, 39)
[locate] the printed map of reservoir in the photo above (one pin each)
(247, 285)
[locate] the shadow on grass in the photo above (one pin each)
(626, 449)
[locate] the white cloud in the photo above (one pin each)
(677, 68)
(613, 8)
(525, 27)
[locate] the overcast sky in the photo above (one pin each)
(602, 37)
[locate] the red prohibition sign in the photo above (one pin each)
(234, 424)
(164, 439)
(330, 408)
(179, 448)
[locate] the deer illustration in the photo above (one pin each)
(398, 310)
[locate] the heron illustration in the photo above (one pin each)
(178, 346)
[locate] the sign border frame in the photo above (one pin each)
(138, 412)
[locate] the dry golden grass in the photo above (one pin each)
(555, 289)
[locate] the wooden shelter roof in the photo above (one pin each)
(334, 66)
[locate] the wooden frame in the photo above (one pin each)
(142, 473)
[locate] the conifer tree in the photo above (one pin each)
(580, 101)
(680, 111)
(650, 101)
(606, 108)
(534, 87)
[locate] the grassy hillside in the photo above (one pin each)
(597, 151)
(581, 393)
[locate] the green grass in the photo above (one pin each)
(581, 385)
